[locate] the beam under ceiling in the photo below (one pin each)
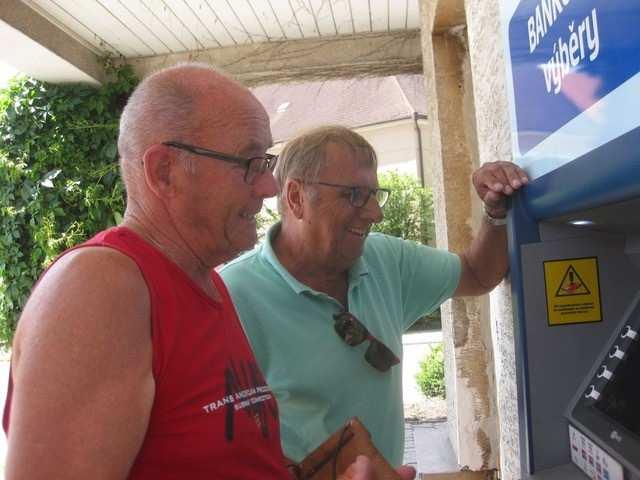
(373, 54)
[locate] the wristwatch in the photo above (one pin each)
(495, 221)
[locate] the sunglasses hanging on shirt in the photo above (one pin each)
(353, 333)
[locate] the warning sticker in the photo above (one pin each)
(573, 291)
(572, 284)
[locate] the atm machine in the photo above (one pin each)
(573, 81)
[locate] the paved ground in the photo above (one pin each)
(426, 444)
(434, 453)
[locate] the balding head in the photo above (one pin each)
(208, 216)
(173, 104)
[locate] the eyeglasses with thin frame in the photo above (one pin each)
(359, 196)
(353, 332)
(255, 166)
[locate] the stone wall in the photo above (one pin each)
(454, 153)
(486, 51)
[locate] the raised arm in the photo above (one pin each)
(485, 261)
(81, 370)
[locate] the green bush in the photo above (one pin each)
(59, 180)
(430, 377)
(264, 219)
(408, 213)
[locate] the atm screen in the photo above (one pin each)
(620, 399)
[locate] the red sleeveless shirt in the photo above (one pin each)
(213, 416)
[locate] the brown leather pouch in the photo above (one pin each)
(333, 457)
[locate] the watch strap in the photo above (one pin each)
(494, 221)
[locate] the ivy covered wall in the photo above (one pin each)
(59, 181)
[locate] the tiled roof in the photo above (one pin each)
(294, 107)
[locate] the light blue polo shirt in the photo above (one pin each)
(318, 380)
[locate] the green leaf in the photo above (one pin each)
(408, 213)
(430, 376)
(110, 150)
(58, 180)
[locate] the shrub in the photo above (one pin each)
(430, 377)
(408, 213)
(59, 180)
(265, 219)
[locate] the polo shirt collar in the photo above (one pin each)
(356, 272)
(270, 256)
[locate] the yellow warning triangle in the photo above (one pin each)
(572, 284)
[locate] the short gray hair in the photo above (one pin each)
(163, 105)
(304, 156)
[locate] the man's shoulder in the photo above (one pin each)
(91, 267)
(92, 278)
(377, 241)
(101, 262)
(381, 244)
(389, 250)
(380, 240)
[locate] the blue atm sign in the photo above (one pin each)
(567, 55)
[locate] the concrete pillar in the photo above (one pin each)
(486, 51)
(453, 156)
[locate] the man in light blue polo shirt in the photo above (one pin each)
(324, 303)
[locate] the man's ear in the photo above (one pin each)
(294, 197)
(158, 165)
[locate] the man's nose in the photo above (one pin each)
(265, 185)
(372, 210)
